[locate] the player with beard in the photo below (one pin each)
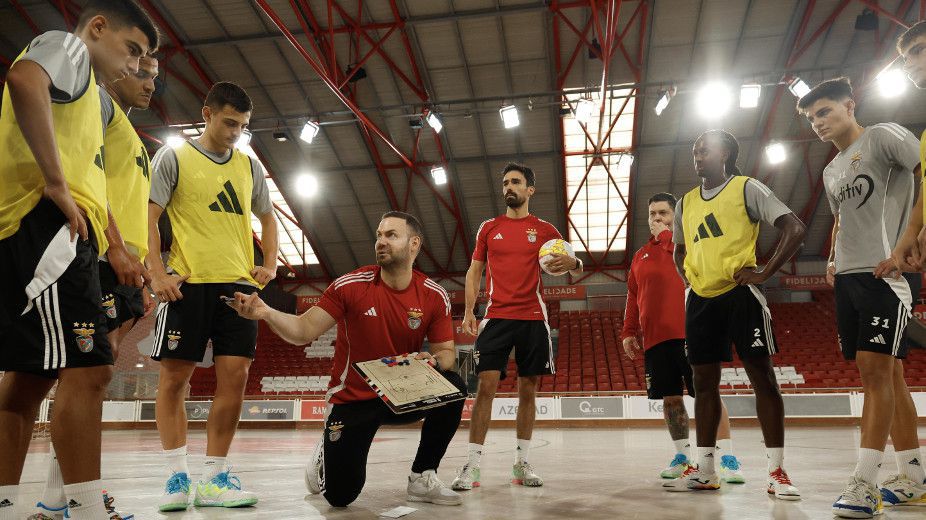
(381, 310)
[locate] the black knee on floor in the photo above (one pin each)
(341, 498)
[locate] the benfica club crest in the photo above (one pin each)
(414, 318)
(856, 161)
(531, 235)
(84, 333)
(334, 431)
(173, 339)
(109, 305)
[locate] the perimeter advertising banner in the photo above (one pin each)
(552, 293)
(815, 282)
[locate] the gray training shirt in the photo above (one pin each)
(165, 173)
(870, 187)
(761, 204)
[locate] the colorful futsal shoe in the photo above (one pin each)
(467, 479)
(44, 516)
(426, 487)
(677, 467)
(779, 485)
(224, 490)
(176, 493)
(900, 490)
(730, 470)
(315, 470)
(693, 480)
(109, 502)
(522, 473)
(46, 512)
(859, 500)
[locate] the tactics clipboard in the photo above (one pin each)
(406, 384)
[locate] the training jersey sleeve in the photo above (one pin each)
(899, 145)
(106, 109)
(631, 310)
(830, 196)
(333, 301)
(65, 59)
(549, 233)
(260, 194)
(761, 203)
(164, 174)
(441, 327)
(482, 246)
(678, 234)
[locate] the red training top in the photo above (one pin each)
(513, 270)
(376, 321)
(655, 294)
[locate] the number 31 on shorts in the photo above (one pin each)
(876, 320)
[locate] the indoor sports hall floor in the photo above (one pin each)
(589, 473)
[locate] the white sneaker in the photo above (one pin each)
(678, 466)
(523, 473)
(779, 484)
(426, 487)
(693, 479)
(730, 470)
(900, 490)
(315, 470)
(176, 495)
(224, 490)
(859, 500)
(468, 478)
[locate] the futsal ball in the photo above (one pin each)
(551, 247)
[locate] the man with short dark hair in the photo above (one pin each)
(655, 313)
(870, 188)
(382, 311)
(209, 189)
(53, 227)
(516, 318)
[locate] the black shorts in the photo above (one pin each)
(184, 327)
(667, 370)
(870, 315)
(50, 312)
(738, 317)
(121, 303)
(530, 339)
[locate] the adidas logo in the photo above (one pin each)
(914, 462)
(497, 237)
(712, 225)
(228, 200)
(74, 504)
(370, 312)
(879, 339)
(6, 503)
(758, 343)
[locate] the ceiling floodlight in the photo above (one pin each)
(435, 122)
(776, 153)
(509, 115)
(798, 87)
(585, 109)
(439, 174)
(892, 83)
(714, 100)
(306, 185)
(749, 95)
(309, 131)
(175, 141)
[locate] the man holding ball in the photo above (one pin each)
(516, 317)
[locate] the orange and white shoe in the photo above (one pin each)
(779, 484)
(693, 480)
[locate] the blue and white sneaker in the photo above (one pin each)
(900, 490)
(677, 467)
(859, 500)
(730, 470)
(46, 512)
(176, 493)
(224, 490)
(110, 510)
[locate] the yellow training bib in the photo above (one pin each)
(128, 182)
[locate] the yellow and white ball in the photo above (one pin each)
(551, 247)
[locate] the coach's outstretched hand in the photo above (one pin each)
(249, 306)
(750, 276)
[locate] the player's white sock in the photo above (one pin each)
(8, 497)
(475, 454)
(776, 458)
(176, 460)
(53, 496)
(724, 447)
(869, 462)
(524, 448)
(706, 459)
(85, 500)
(212, 466)
(683, 446)
(910, 463)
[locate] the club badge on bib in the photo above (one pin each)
(109, 304)
(173, 339)
(84, 333)
(414, 318)
(531, 235)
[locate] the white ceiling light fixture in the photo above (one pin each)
(309, 131)
(175, 141)
(509, 115)
(663, 102)
(749, 95)
(439, 174)
(776, 153)
(798, 87)
(435, 122)
(714, 100)
(306, 185)
(892, 83)
(585, 109)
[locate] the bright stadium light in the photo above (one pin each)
(585, 109)
(662, 103)
(776, 153)
(306, 185)
(749, 95)
(509, 115)
(439, 174)
(714, 100)
(798, 87)
(892, 83)
(435, 122)
(309, 131)
(175, 141)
